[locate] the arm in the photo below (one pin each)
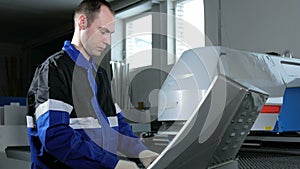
(68, 146)
(129, 144)
(137, 149)
(55, 135)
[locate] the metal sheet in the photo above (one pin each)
(217, 123)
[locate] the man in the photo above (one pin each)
(72, 119)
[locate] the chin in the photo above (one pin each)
(97, 54)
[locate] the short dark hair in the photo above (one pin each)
(90, 8)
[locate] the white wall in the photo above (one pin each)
(254, 25)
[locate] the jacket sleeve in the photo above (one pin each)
(128, 139)
(128, 143)
(52, 121)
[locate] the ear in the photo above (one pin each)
(82, 22)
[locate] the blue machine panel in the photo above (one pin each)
(8, 100)
(289, 116)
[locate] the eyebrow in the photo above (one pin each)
(106, 29)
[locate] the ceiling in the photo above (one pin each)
(23, 21)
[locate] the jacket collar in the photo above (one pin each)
(77, 57)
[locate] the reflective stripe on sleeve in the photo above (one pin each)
(90, 122)
(52, 104)
(118, 109)
(84, 123)
(29, 120)
(113, 121)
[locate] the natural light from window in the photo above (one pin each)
(139, 42)
(189, 26)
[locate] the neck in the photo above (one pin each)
(78, 45)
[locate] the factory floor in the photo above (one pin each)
(270, 152)
(267, 160)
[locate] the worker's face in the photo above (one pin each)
(96, 37)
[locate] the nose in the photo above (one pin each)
(107, 38)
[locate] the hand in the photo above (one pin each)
(123, 164)
(147, 156)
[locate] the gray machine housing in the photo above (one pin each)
(218, 101)
(215, 145)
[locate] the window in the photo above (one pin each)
(189, 27)
(185, 30)
(139, 41)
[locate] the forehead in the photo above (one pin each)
(105, 18)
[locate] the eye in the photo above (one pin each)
(104, 31)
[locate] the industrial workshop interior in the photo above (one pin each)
(203, 84)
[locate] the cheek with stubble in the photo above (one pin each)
(92, 45)
(98, 45)
(96, 48)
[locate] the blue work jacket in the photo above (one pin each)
(72, 120)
